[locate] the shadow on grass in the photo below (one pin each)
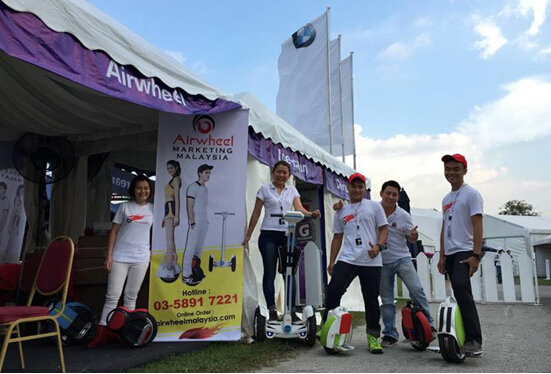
(227, 357)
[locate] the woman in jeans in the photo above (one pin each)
(128, 252)
(277, 198)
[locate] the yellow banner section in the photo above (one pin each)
(210, 310)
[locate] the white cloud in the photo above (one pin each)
(401, 51)
(422, 22)
(538, 8)
(522, 114)
(492, 39)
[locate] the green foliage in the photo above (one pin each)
(518, 208)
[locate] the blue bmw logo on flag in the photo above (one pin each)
(304, 36)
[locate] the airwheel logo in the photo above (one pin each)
(203, 124)
(305, 36)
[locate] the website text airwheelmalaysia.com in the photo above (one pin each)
(196, 299)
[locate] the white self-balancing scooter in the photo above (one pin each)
(336, 332)
(305, 329)
(451, 333)
(222, 263)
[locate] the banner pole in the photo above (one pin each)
(340, 101)
(329, 80)
(352, 95)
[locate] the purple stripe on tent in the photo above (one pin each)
(268, 153)
(335, 184)
(26, 37)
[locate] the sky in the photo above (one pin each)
(430, 78)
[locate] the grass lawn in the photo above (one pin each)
(226, 357)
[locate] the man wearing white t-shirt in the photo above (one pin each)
(461, 244)
(361, 229)
(197, 196)
(397, 261)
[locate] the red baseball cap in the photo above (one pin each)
(456, 157)
(356, 176)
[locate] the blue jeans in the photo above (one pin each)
(406, 271)
(268, 243)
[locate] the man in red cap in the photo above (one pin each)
(461, 245)
(361, 229)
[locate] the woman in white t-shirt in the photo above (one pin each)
(276, 198)
(128, 252)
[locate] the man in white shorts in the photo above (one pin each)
(197, 196)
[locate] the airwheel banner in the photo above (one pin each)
(197, 254)
(26, 37)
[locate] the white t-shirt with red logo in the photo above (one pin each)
(359, 221)
(133, 240)
(457, 208)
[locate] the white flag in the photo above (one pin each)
(347, 105)
(336, 107)
(303, 97)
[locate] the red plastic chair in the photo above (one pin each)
(52, 277)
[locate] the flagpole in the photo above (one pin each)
(340, 101)
(329, 80)
(352, 95)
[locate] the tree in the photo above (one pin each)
(518, 208)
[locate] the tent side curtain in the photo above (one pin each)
(268, 153)
(24, 37)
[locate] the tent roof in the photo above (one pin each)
(98, 31)
(535, 225)
(544, 241)
(273, 127)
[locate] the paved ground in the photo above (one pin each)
(112, 358)
(516, 339)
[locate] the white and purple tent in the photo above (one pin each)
(68, 69)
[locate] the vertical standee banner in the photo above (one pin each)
(12, 215)
(199, 218)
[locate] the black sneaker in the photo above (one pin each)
(273, 315)
(295, 317)
(472, 348)
(388, 341)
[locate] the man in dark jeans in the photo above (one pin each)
(461, 245)
(361, 229)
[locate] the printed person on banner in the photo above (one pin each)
(169, 269)
(461, 244)
(361, 229)
(197, 197)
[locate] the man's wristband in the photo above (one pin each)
(382, 247)
(478, 256)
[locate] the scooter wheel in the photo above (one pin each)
(331, 351)
(259, 326)
(449, 349)
(312, 329)
(233, 264)
(211, 264)
(418, 346)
